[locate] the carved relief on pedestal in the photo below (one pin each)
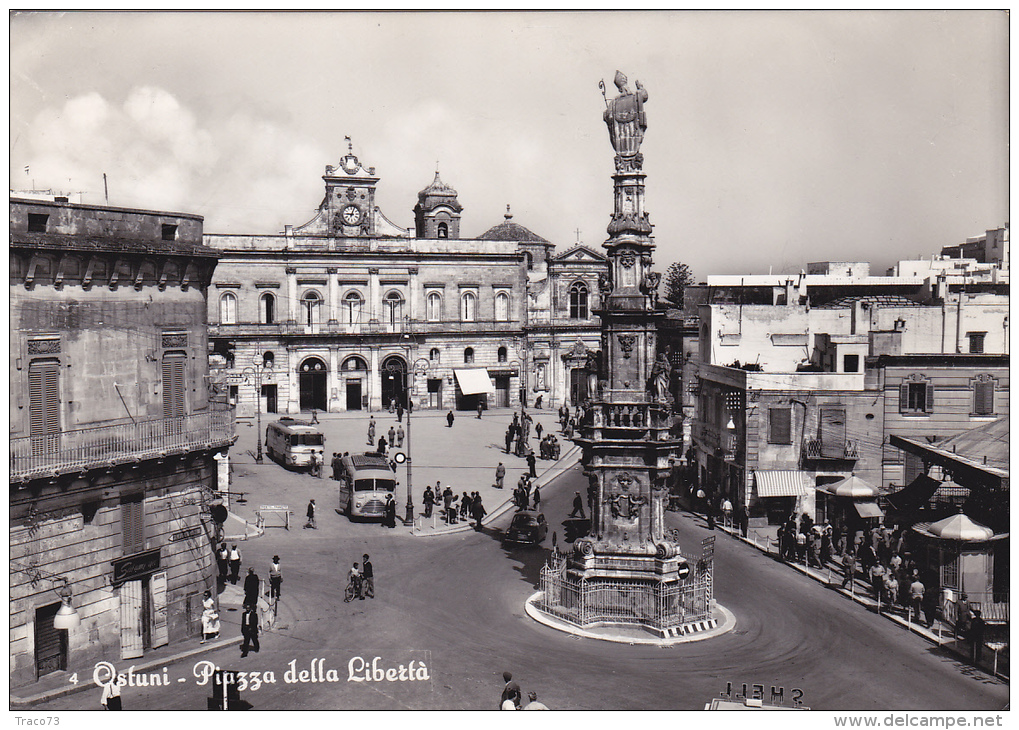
(626, 342)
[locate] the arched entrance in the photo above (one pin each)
(394, 381)
(312, 376)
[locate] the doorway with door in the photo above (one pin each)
(312, 382)
(353, 394)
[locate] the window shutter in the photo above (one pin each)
(983, 397)
(903, 397)
(132, 516)
(930, 398)
(44, 397)
(173, 384)
(781, 425)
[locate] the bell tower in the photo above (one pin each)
(437, 213)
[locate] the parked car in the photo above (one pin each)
(528, 527)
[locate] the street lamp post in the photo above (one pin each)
(255, 372)
(404, 372)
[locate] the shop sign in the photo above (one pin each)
(135, 566)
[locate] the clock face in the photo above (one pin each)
(351, 215)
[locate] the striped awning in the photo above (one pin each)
(868, 508)
(780, 483)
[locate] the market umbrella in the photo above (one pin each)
(962, 528)
(853, 487)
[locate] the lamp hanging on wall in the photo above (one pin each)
(67, 617)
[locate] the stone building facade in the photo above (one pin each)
(351, 312)
(113, 440)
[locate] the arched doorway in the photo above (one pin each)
(312, 376)
(394, 381)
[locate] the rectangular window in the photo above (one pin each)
(169, 232)
(976, 342)
(912, 467)
(983, 399)
(233, 393)
(132, 521)
(916, 397)
(37, 222)
(851, 363)
(780, 425)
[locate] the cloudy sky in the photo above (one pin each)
(774, 138)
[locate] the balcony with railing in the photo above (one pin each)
(839, 450)
(106, 446)
(634, 421)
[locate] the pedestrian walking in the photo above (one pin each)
(530, 465)
(465, 506)
(275, 578)
(235, 565)
(371, 431)
(480, 407)
(429, 501)
(391, 433)
(249, 630)
(399, 413)
(110, 699)
(509, 439)
(447, 502)
(848, 568)
(399, 437)
(976, 635)
(210, 619)
(316, 466)
(449, 419)
(500, 475)
(916, 591)
(223, 561)
(538, 428)
(578, 506)
(532, 698)
(367, 578)
(478, 512)
(251, 584)
(510, 691)
(314, 416)
(382, 445)
(536, 497)
(311, 516)
(354, 578)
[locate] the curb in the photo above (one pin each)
(688, 633)
(866, 602)
(566, 462)
(17, 701)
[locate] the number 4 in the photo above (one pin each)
(74, 678)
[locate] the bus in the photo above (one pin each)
(292, 443)
(365, 480)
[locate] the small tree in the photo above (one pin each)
(677, 277)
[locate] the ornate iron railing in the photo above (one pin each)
(827, 449)
(654, 605)
(88, 448)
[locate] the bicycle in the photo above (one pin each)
(351, 591)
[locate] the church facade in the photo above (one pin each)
(349, 311)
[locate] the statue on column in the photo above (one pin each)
(659, 385)
(625, 117)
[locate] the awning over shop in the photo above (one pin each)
(779, 483)
(914, 495)
(853, 487)
(474, 381)
(868, 508)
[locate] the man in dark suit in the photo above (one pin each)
(251, 583)
(249, 629)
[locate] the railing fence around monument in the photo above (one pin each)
(659, 606)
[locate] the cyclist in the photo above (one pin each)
(354, 581)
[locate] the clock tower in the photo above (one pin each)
(348, 209)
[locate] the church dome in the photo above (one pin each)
(438, 192)
(510, 231)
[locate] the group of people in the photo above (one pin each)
(511, 698)
(229, 562)
(518, 434)
(522, 496)
(805, 542)
(363, 578)
(454, 508)
(395, 434)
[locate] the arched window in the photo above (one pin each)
(530, 260)
(434, 355)
(352, 305)
(268, 302)
(393, 308)
(578, 301)
(228, 309)
(501, 307)
(502, 354)
(434, 312)
(443, 230)
(468, 307)
(354, 363)
(311, 302)
(469, 356)
(268, 359)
